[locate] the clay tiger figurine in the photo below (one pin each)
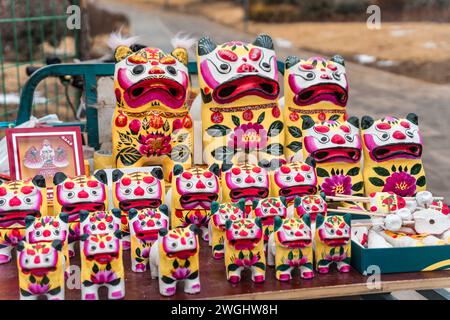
(335, 146)
(175, 257)
(239, 92)
(136, 190)
(73, 195)
(18, 199)
(191, 195)
(316, 88)
(151, 122)
(144, 226)
(48, 229)
(332, 241)
(291, 246)
(41, 270)
(311, 205)
(294, 179)
(101, 254)
(220, 213)
(244, 181)
(244, 248)
(392, 155)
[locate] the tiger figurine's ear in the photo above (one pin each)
(181, 54)
(122, 52)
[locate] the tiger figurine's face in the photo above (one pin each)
(39, 258)
(47, 228)
(103, 247)
(221, 212)
(195, 188)
(100, 222)
(180, 243)
(21, 198)
(392, 138)
(332, 141)
(80, 193)
(244, 234)
(385, 202)
(334, 230)
(311, 205)
(316, 80)
(234, 71)
(146, 223)
(245, 180)
(294, 179)
(293, 232)
(138, 190)
(269, 208)
(150, 76)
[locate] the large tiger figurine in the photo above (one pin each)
(144, 226)
(335, 146)
(41, 270)
(244, 249)
(71, 195)
(136, 190)
(175, 257)
(290, 247)
(392, 155)
(151, 122)
(241, 118)
(317, 88)
(193, 190)
(19, 199)
(101, 254)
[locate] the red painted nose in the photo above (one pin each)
(46, 233)
(102, 245)
(299, 178)
(339, 233)
(37, 259)
(249, 179)
(298, 233)
(14, 202)
(399, 135)
(200, 185)
(138, 191)
(273, 210)
(83, 194)
(183, 241)
(150, 223)
(101, 226)
(315, 208)
(337, 139)
(243, 233)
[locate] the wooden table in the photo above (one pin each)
(215, 285)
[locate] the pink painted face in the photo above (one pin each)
(181, 243)
(146, 223)
(138, 190)
(46, 229)
(295, 179)
(103, 248)
(333, 141)
(317, 79)
(311, 204)
(334, 230)
(226, 211)
(197, 188)
(392, 138)
(100, 222)
(247, 181)
(17, 200)
(269, 208)
(38, 259)
(244, 234)
(294, 233)
(151, 76)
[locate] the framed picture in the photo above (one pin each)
(44, 151)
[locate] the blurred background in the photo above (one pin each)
(402, 67)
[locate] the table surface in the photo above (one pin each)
(215, 286)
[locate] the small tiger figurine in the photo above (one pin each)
(312, 205)
(18, 199)
(335, 146)
(144, 226)
(244, 181)
(220, 213)
(175, 257)
(392, 155)
(244, 248)
(193, 190)
(101, 254)
(315, 88)
(332, 241)
(79, 193)
(385, 202)
(41, 270)
(136, 190)
(291, 246)
(294, 179)
(48, 229)
(267, 209)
